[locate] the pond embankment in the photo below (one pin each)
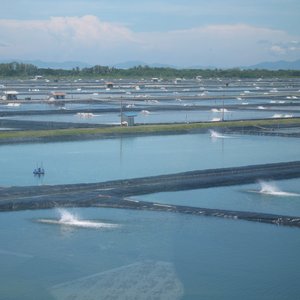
(115, 194)
(33, 131)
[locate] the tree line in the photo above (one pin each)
(16, 69)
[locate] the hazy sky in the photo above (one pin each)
(222, 33)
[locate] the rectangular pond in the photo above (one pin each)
(155, 117)
(131, 157)
(83, 253)
(280, 197)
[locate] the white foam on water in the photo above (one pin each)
(220, 110)
(145, 112)
(85, 115)
(216, 135)
(13, 104)
(269, 188)
(277, 116)
(216, 119)
(69, 219)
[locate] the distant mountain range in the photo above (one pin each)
(277, 65)
(67, 65)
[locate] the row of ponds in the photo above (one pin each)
(161, 102)
(81, 253)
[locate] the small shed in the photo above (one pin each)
(57, 95)
(38, 77)
(128, 117)
(139, 86)
(109, 85)
(10, 95)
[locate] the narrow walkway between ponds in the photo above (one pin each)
(114, 194)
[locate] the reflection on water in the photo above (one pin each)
(142, 280)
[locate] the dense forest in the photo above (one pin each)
(15, 69)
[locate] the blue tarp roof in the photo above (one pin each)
(130, 114)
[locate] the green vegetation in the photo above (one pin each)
(16, 69)
(142, 129)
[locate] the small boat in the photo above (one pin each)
(39, 171)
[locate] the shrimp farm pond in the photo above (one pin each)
(151, 189)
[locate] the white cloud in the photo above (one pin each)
(88, 30)
(277, 50)
(294, 48)
(285, 48)
(223, 45)
(62, 36)
(89, 39)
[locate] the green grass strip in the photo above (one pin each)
(140, 129)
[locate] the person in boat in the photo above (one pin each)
(38, 171)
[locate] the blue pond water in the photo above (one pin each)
(90, 253)
(143, 104)
(147, 117)
(279, 197)
(208, 258)
(101, 160)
